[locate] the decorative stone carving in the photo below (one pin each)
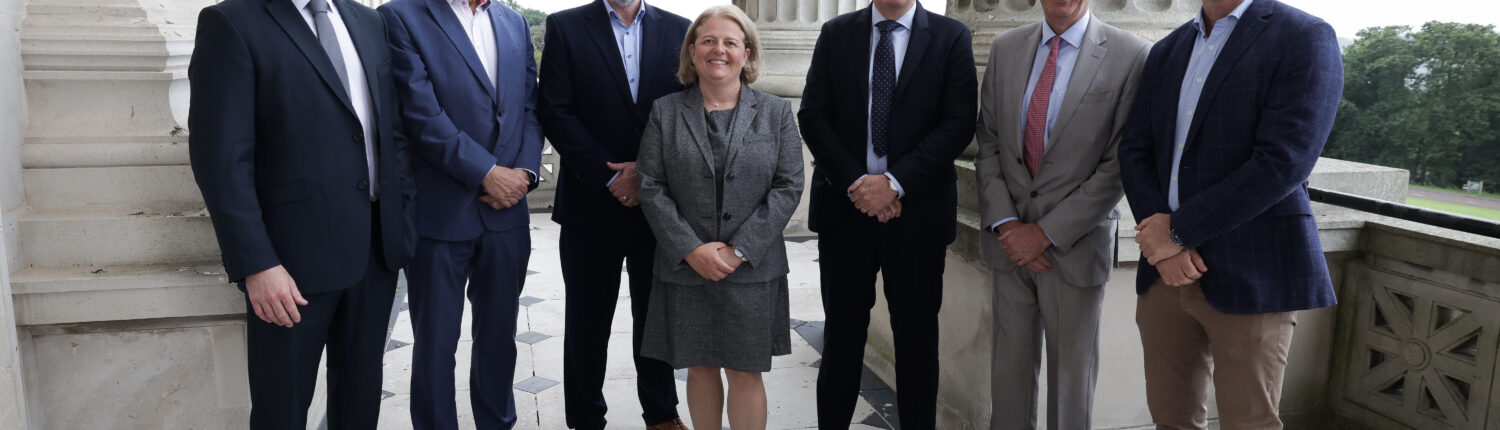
(1422, 354)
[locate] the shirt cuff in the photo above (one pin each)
(995, 228)
(612, 179)
(850, 193)
(900, 192)
(532, 176)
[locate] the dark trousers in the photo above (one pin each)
(493, 266)
(849, 257)
(352, 323)
(591, 272)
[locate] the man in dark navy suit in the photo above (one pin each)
(890, 102)
(466, 75)
(297, 149)
(605, 63)
(1232, 114)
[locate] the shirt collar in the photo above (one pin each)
(1074, 35)
(1234, 14)
(615, 17)
(904, 20)
(464, 4)
(302, 4)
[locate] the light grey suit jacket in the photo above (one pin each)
(1074, 194)
(762, 184)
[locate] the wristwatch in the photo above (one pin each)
(1172, 235)
(739, 255)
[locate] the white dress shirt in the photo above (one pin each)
(476, 23)
(359, 87)
(900, 38)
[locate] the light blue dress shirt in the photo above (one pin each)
(628, 40)
(900, 39)
(1205, 52)
(1067, 57)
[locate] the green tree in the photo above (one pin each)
(538, 22)
(1426, 101)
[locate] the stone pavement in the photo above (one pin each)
(790, 386)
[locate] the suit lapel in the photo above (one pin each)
(1171, 89)
(1245, 32)
(692, 114)
(503, 33)
(655, 44)
(1085, 71)
(601, 30)
(744, 116)
(914, 50)
(1020, 76)
(368, 46)
(442, 13)
(295, 27)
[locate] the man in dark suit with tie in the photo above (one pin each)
(466, 75)
(1234, 109)
(605, 63)
(296, 148)
(884, 122)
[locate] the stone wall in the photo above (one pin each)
(12, 121)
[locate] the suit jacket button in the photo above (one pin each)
(726, 216)
(1018, 161)
(1033, 194)
(359, 137)
(364, 185)
(728, 177)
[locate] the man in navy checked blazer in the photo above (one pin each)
(1233, 111)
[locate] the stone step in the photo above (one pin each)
(968, 185)
(47, 153)
(103, 235)
(86, 186)
(60, 295)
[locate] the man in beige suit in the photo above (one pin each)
(1054, 101)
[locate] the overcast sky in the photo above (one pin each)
(1347, 16)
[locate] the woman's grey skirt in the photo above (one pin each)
(733, 326)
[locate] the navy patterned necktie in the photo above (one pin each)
(882, 85)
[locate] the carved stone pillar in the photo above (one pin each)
(116, 256)
(788, 31)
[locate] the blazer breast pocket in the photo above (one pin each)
(1097, 96)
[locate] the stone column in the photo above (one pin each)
(125, 316)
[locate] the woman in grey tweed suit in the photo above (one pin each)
(720, 174)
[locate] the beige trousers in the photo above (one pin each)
(1188, 343)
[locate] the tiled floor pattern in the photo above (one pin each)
(790, 385)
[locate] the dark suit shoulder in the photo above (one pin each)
(403, 6)
(940, 24)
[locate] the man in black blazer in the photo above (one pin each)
(294, 147)
(605, 63)
(890, 102)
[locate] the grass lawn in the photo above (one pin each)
(1489, 214)
(1455, 190)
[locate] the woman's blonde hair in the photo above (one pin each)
(687, 73)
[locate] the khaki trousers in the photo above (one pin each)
(1188, 343)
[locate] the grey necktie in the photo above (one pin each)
(328, 38)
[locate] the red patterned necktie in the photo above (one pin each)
(1036, 113)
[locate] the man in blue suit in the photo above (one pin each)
(1233, 111)
(467, 78)
(296, 146)
(605, 63)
